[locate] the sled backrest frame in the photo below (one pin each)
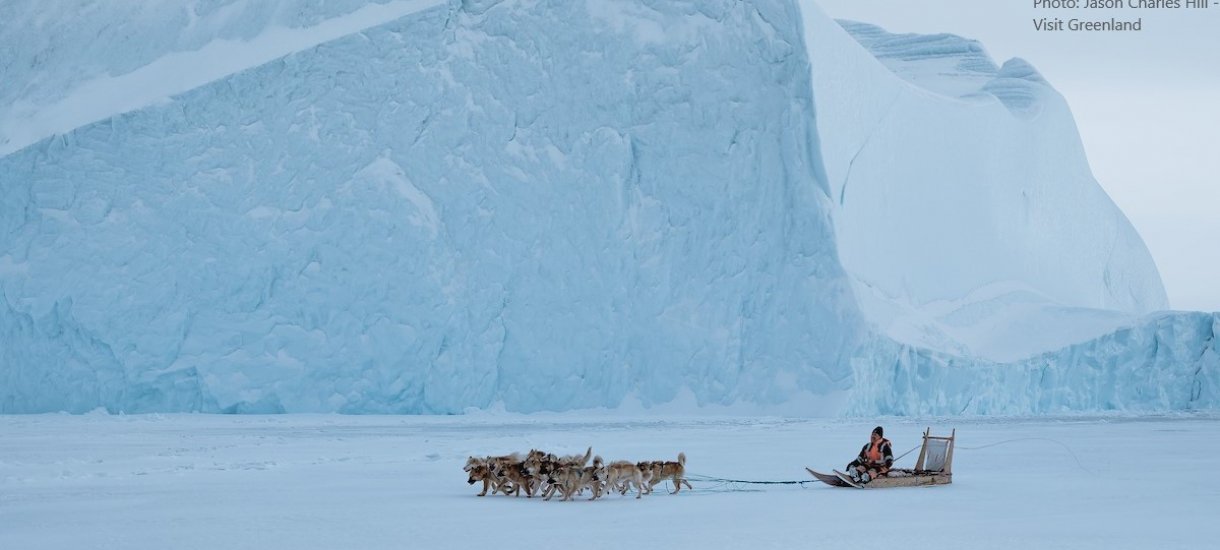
(920, 465)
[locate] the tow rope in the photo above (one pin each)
(732, 485)
(723, 482)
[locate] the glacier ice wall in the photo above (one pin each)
(546, 204)
(1167, 362)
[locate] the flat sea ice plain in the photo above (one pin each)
(324, 481)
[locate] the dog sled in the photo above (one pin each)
(934, 467)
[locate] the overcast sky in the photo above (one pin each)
(1147, 104)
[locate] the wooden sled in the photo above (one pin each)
(934, 467)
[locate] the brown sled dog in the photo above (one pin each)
(517, 478)
(542, 466)
(482, 472)
(622, 475)
(572, 480)
(659, 471)
(490, 470)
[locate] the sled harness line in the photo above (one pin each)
(696, 477)
(722, 481)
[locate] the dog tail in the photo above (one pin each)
(588, 453)
(682, 459)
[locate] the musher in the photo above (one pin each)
(875, 460)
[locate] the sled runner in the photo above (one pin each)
(934, 467)
(829, 479)
(847, 479)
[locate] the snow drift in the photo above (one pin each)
(427, 207)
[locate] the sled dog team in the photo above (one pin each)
(540, 473)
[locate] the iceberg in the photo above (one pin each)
(968, 218)
(427, 207)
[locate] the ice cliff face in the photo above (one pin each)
(551, 205)
(1166, 362)
(420, 207)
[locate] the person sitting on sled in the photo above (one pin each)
(875, 460)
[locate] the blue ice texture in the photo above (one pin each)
(545, 205)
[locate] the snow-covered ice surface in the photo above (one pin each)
(301, 482)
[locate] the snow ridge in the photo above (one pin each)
(953, 66)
